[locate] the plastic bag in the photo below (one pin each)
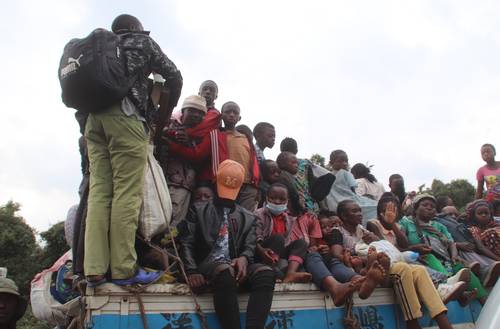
(156, 210)
(45, 307)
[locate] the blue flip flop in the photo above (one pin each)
(142, 277)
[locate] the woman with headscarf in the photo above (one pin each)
(434, 242)
(482, 226)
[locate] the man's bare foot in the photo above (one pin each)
(374, 277)
(371, 257)
(297, 277)
(344, 290)
(357, 263)
(467, 297)
(384, 260)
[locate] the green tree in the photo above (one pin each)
(318, 159)
(18, 247)
(55, 245)
(459, 190)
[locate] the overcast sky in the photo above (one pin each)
(407, 86)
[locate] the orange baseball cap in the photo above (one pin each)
(230, 176)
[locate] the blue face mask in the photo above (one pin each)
(276, 209)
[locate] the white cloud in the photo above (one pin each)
(409, 86)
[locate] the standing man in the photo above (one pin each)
(117, 142)
(218, 245)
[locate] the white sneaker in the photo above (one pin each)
(449, 292)
(492, 276)
(462, 275)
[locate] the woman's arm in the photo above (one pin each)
(401, 238)
(481, 249)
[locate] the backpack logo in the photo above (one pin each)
(73, 65)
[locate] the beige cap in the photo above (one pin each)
(8, 286)
(230, 176)
(196, 102)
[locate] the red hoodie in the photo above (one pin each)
(210, 152)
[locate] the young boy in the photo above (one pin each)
(217, 248)
(274, 227)
(288, 164)
(240, 149)
(179, 174)
(265, 135)
(270, 174)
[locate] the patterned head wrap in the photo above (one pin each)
(471, 207)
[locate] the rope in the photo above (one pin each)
(350, 321)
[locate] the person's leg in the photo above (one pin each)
(296, 252)
(405, 292)
(96, 254)
(429, 295)
(324, 279)
(226, 300)
(128, 147)
(247, 198)
(180, 198)
(261, 297)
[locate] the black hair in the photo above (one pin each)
(245, 130)
(342, 208)
(125, 23)
(385, 200)
(394, 176)
(259, 128)
(279, 185)
(336, 154)
(359, 170)
(211, 82)
(229, 103)
(264, 167)
(325, 213)
(288, 144)
(492, 147)
(441, 202)
(282, 157)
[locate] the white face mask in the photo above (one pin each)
(276, 209)
(497, 219)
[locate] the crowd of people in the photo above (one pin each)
(246, 221)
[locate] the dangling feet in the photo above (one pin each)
(297, 277)
(375, 275)
(344, 290)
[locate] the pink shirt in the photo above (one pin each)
(306, 227)
(488, 175)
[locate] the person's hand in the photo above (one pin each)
(323, 249)
(240, 265)
(196, 281)
(268, 256)
(181, 136)
(422, 249)
(466, 246)
(390, 213)
(369, 237)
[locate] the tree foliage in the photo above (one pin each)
(18, 246)
(318, 159)
(459, 190)
(55, 245)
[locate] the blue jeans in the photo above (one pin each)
(315, 264)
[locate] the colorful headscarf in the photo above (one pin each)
(471, 207)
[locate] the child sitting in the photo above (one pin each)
(274, 232)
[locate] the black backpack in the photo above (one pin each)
(92, 72)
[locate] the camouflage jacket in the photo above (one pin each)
(142, 57)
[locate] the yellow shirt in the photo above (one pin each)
(238, 150)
